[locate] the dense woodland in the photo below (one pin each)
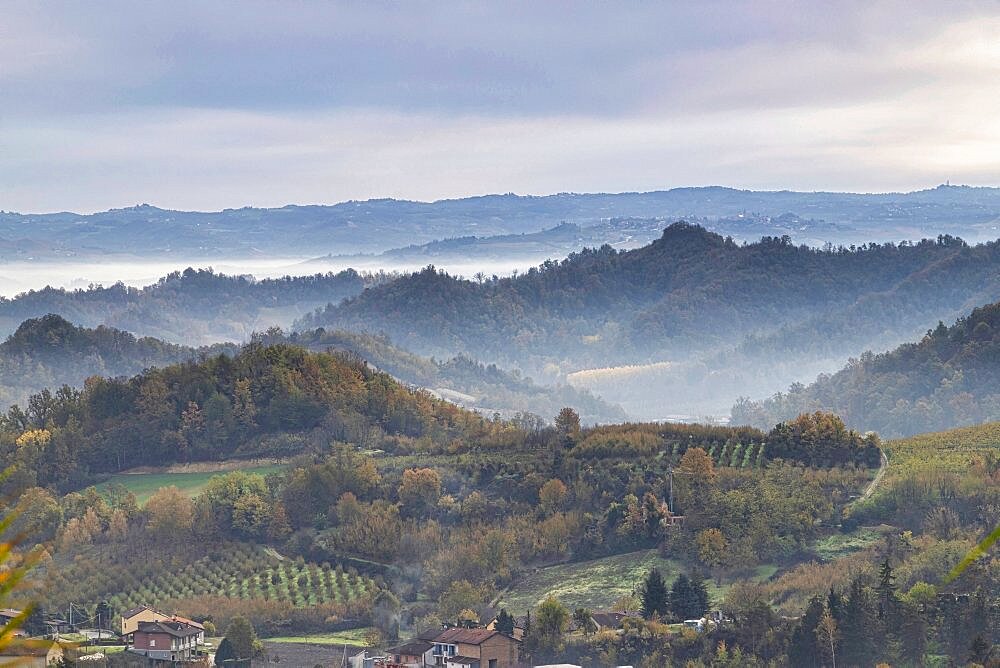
(50, 352)
(193, 307)
(403, 511)
(949, 378)
(706, 304)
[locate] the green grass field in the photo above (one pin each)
(597, 584)
(835, 546)
(144, 485)
(350, 637)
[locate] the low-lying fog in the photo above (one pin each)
(18, 277)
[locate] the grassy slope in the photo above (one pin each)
(144, 485)
(597, 584)
(942, 451)
(350, 637)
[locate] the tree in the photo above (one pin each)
(505, 622)
(420, 489)
(242, 637)
(552, 495)
(804, 648)
(712, 547)
(584, 619)
(548, 627)
(655, 599)
(827, 634)
(858, 625)
(224, 653)
(170, 513)
(460, 595)
(568, 427)
(886, 590)
(688, 597)
(385, 613)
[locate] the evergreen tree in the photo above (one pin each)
(912, 634)
(688, 598)
(803, 649)
(224, 653)
(242, 636)
(699, 595)
(858, 626)
(655, 597)
(505, 622)
(979, 651)
(886, 591)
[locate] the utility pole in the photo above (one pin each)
(671, 469)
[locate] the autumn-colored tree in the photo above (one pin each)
(552, 496)
(712, 548)
(568, 426)
(420, 489)
(169, 513)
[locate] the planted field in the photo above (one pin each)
(234, 571)
(350, 637)
(144, 485)
(598, 583)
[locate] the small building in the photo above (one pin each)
(165, 641)
(476, 648)
(32, 654)
(7, 615)
(415, 653)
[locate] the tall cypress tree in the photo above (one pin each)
(858, 626)
(803, 649)
(699, 595)
(886, 591)
(655, 597)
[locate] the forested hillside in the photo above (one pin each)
(462, 380)
(193, 307)
(693, 298)
(49, 352)
(949, 378)
(266, 401)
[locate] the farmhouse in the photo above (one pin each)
(165, 640)
(475, 648)
(132, 618)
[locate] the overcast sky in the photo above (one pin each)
(207, 105)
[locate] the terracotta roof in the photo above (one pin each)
(189, 622)
(465, 636)
(467, 660)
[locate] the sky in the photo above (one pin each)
(204, 106)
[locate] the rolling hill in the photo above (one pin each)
(382, 224)
(950, 378)
(692, 298)
(50, 352)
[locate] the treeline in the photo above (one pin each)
(194, 307)
(266, 401)
(51, 352)
(691, 291)
(950, 378)
(490, 388)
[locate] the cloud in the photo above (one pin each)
(223, 104)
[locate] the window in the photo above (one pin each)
(493, 663)
(152, 642)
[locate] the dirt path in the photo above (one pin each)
(883, 465)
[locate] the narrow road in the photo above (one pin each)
(883, 465)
